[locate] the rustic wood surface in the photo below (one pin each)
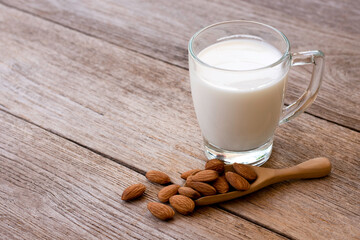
(161, 29)
(92, 95)
(57, 189)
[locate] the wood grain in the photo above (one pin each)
(335, 15)
(161, 29)
(53, 189)
(138, 111)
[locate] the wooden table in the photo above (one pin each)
(95, 93)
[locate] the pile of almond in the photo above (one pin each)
(213, 180)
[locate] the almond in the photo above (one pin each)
(189, 192)
(203, 188)
(188, 173)
(133, 191)
(245, 171)
(157, 177)
(215, 164)
(188, 180)
(168, 191)
(205, 176)
(182, 204)
(237, 181)
(160, 210)
(221, 185)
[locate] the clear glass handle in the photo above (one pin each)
(308, 97)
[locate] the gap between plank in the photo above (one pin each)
(333, 122)
(147, 55)
(118, 161)
(327, 120)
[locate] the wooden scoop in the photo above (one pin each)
(313, 168)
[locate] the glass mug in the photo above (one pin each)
(238, 74)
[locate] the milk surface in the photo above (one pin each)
(238, 110)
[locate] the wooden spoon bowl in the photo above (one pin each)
(313, 168)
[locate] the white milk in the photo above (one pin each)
(238, 110)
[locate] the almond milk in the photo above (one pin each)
(237, 107)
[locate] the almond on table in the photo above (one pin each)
(186, 174)
(188, 180)
(182, 204)
(160, 210)
(210, 181)
(189, 192)
(133, 191)
(168, 191)
(157, 177)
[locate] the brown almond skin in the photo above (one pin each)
(157, 177)
(182, 204)
(160, 210)
(188, 180)
(186, 174)
(167, 192)
(133, 191)
(189, 192)
(221, 185)
(245, 171)
(205, 176)
(215, 164)
(203, 188)
(237, 181)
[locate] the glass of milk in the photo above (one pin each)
(238, 73)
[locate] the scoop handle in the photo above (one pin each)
(313, 168)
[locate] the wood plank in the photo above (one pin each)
(51, 188)
(161, 30)
(334, 15)
(138, 111)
